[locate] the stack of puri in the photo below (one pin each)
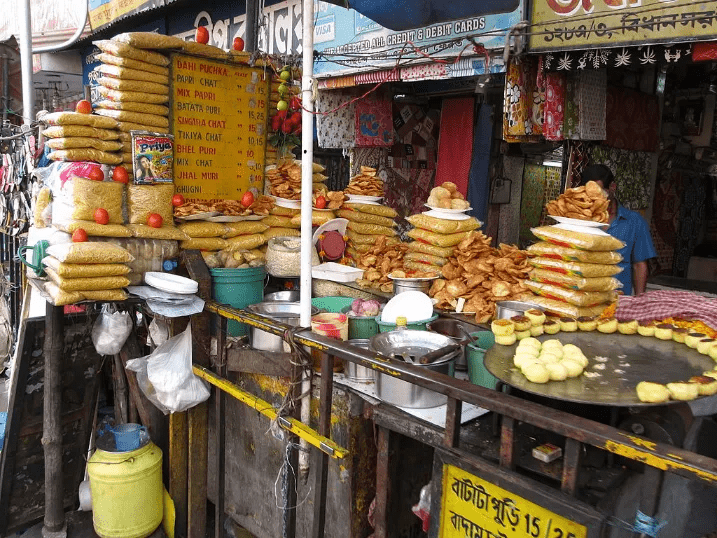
(367, 223)
(73, 136)
(134, 88)
(573, 273)
(86, 271)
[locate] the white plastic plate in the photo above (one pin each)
(448, 211)
(285, 202)
(579, 222)
(336, 272)
(170, 283)
(234, 218)
(411, 278)
(200, 216)
(446, 216)
(592, 230)
(361, 199)
(414, 305)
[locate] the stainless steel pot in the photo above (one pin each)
(286, 295)
(508, 309)
(452, 328)
(282, 311)
(405, 284)
(412, 344)
(356, 372)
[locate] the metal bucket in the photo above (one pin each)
(405, 284)
(452, 329)
(508, 309)
(291, 296)
(413, 344)
(282, 311)
(356, 372)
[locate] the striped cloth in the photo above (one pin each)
(661, 304)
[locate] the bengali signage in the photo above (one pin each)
(104, 12)
(219, 118)
(351, 42)
(566, 24)
(473, 507)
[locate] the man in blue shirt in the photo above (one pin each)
(627, 226)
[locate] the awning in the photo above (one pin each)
(405, 14)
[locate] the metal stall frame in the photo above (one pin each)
(577, 430)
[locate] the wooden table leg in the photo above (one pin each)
(54, 524)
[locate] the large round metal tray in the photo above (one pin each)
(627, 360)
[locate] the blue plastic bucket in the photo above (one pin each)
(128, 436)
(238, 288)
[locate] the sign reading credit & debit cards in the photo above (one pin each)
(569, 24)
(219, 119)
(473, 507)
(353, 43)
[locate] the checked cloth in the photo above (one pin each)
(661, 304)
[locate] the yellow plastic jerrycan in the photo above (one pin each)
(127, 492)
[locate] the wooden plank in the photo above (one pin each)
(52, 426)
(178, 470)
(383, 487)
(453, 423)
(251, 361)
(220, 403)
(197, 491)
(119, 383)
(321, 460)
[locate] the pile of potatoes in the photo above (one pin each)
(234, 259)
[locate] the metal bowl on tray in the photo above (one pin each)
(508, 309)
(458, 331)
(286, 295)
(411, 345)
(356, 372)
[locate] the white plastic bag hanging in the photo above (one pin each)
(166, 378)
(110, 331)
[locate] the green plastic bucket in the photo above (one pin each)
(332, 304)
(474, 357)
(238, 288)
(385, 326)
(360, 327)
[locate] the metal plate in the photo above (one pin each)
(627, 360)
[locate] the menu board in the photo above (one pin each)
(219, 122)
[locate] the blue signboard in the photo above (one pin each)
(350, 42)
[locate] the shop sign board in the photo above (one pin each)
(473, 497)
(218, 118)
(570, 24)
(104, 12)
(353, 43)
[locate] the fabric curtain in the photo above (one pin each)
(455, 142)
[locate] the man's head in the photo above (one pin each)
(598, 173)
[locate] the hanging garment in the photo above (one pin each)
(553, 125)
(593, 88)
(455, 142)
(479, 183)
(374, 123)
(518, 119)
(336, 130)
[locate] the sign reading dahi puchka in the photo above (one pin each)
(568, 24)
(219, 114)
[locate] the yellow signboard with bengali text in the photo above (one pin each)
(104, 12)
(570, 24)
(219, 122)
(473, 507)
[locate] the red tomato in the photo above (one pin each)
(282, 114)
(120, 174)
(320, 202)
(101, 216)
(154, 220)
(177, 200)
(287, 126)
(247, 199)
(96, 174)
(79, 236)
(83, 107)
(276, 123)
(238, 44)
(201, 35)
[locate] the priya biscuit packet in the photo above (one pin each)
(152, 157)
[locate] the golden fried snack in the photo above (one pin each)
(583, 203)
(652, 392)
(367, 183)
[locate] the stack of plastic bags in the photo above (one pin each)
(82, 137)
(150, 212)
(434, 241)
(90, 271)
(281, 223)
(366, 223)
(573, 272)
(134, 85)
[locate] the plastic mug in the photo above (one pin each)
(128, 436)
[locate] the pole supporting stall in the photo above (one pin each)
(654, 454)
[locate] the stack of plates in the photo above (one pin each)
(285, 202)
(582, 226)
(448, 214)
(360, 199)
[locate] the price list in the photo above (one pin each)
(219, 122)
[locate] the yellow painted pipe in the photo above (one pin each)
(265, 408)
